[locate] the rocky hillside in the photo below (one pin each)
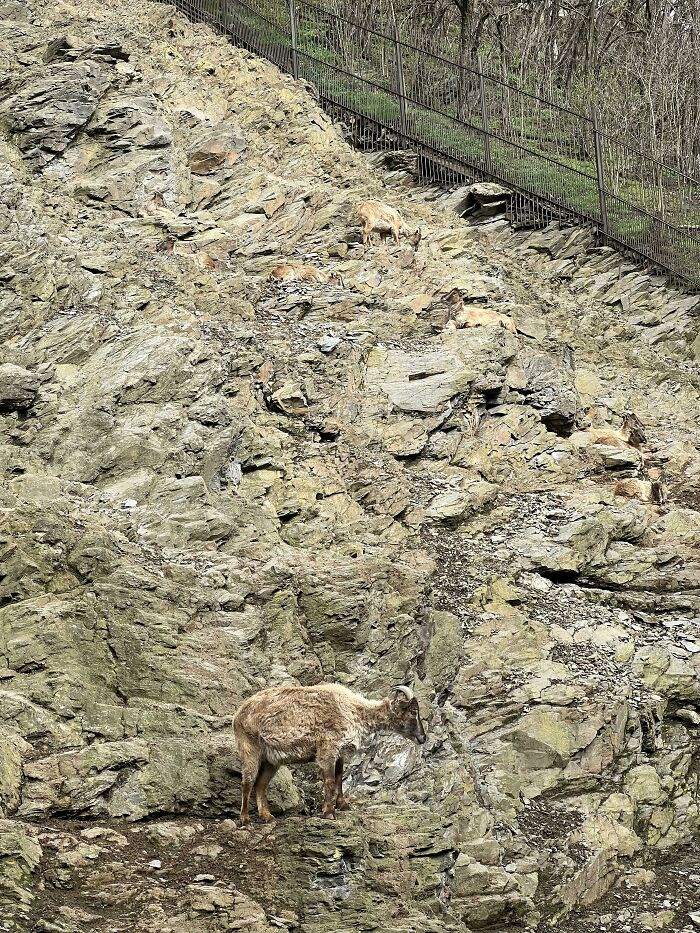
(212, 483)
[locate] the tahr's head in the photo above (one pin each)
(634, 428)
(405, 715)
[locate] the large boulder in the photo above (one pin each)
(18, 387)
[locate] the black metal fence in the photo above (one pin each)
(394, 91)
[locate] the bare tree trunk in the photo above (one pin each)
(464, 10)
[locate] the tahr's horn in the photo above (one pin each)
(407, 692)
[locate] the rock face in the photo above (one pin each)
(212, 484)
(18, 387)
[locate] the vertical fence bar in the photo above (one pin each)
(484, 118)
(293, 36)
(599, 170)
(400, 84)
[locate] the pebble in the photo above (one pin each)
(689, 715)
(328, 343)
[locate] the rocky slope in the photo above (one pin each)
(211, 484)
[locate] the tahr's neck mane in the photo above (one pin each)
(374, 714)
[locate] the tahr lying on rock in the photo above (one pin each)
(292, 725)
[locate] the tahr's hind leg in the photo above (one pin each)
(265, 775)
(326, 759)
(341, 801)
(248, 778)
(250, 766)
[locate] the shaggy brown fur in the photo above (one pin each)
(646, 490)
(630, 434)
(474, 317)
(383, 219)
(290, 724)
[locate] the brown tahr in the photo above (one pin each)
(292, 725)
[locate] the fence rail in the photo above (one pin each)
(464, 123)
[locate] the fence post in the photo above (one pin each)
(484, 118)
(400, 85)
(599, 170)
(293, 36)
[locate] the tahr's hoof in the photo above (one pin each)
(328, 816)
(343, 805)
(267, 818)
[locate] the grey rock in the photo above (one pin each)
(47, 112)
(550, 388)
(328, 343)
(18, 387)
